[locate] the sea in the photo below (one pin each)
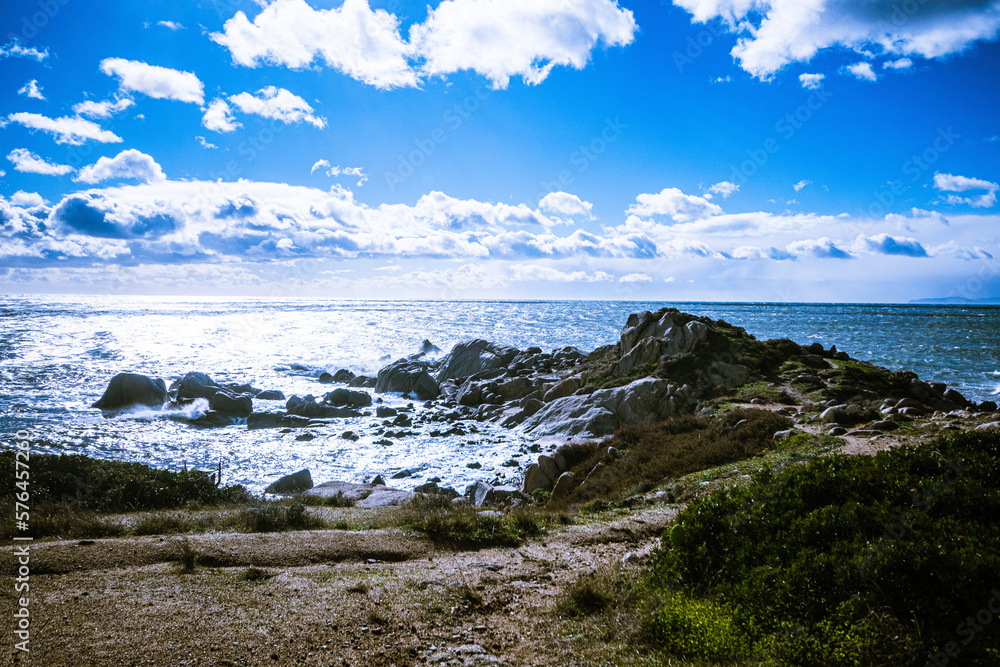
(57, 354)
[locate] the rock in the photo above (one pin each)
(259, 420)
(355, 399)
(429, 487)
(378, 481)
(382, 411)
(428, 347)
(601, 412)
(983, 427)
(482, 494)
(383, 496)
(814, 361)
(363, 381)
(325, 378)
(548, 467)
(128, 389)
(195, 385)
(363, 495)
(563, 487)
(474, 357)
(530, 406)
(470, 393)
(407, 376)
(987, 406)
(515, 389)
(297, 481)
(646, 338)
(227, 403)
(271, 395)
(343, 376)
(308, 407)
(534, 479)
(956, 398)
(833, 413)
(837, 430)
(784, 435)
(565, 388)
(350, 435)
(886, 425)
(242, 389)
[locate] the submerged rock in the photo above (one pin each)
(407, 376)
(230, 404)
(128, 389)
(195, 385)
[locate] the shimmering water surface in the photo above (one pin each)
(57, 354)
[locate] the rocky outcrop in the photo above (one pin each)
(363, 495)
(354, 399)
(297, 481)
(129, 389)
(405, 376)
(230, 404)
(601, 412)
(258, 420)
(474, 357)
(306, 406)
(194, 385)
(646, 338)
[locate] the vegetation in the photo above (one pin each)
(466, 527)
(842, 561)
(651, 453)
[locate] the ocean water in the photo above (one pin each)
(57, 354)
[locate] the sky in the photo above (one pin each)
(715, 150)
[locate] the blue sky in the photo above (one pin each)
(694, 150)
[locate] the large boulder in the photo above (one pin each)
(128, 389)
(306, 406)
(601, 412)
(297, 481)
(231, 404)
(195, 385)
(647, 338)
(407, 376)
(355, 399)
(473, 357)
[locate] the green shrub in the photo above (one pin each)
(468, 528)
(846, 556)
(695, 628)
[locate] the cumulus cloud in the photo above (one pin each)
(801, 184)
(675, 204)
(902, 63)
(27, 162)
(362, 43)
(724, 188)
(14, 49)
(884, 244)
(103, 109)
(526, 38)
(129, 163)
(635, 278)
(66, 129)
(498, 39)
(953, 183)
(862, 71)
(337, 170)
(775, 33)
(155, 81)
(219, 117)
(564, 203)
(31, 90)
(811, 81)
(278, 104)
(823, 248)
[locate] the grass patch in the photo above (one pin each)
(464, 527)
(652, 453)
(336, 500)
(842, 561)
(586, 596)
(256, 574)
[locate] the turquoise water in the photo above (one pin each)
(57, 354)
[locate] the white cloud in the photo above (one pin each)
(155, 81)
(338, 171)
(674, 203)
(495, 38)
(14, 49)
(635, 278)
(822, 248)
(219, 117)
(811, 81)
(129, 163)
(884, 244)
(65, 129)
(172, 25)
(526, 38)
(564, 203)
(801, 184)
(362, 43)
(32, 90)
(27, 199)
(277, 104)
(2, 173)
(862, 71)
(205, 143)
(953, 183)
(902, 63)
(103, 109)
(775, 33)
(724, 188)
(27, 162)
